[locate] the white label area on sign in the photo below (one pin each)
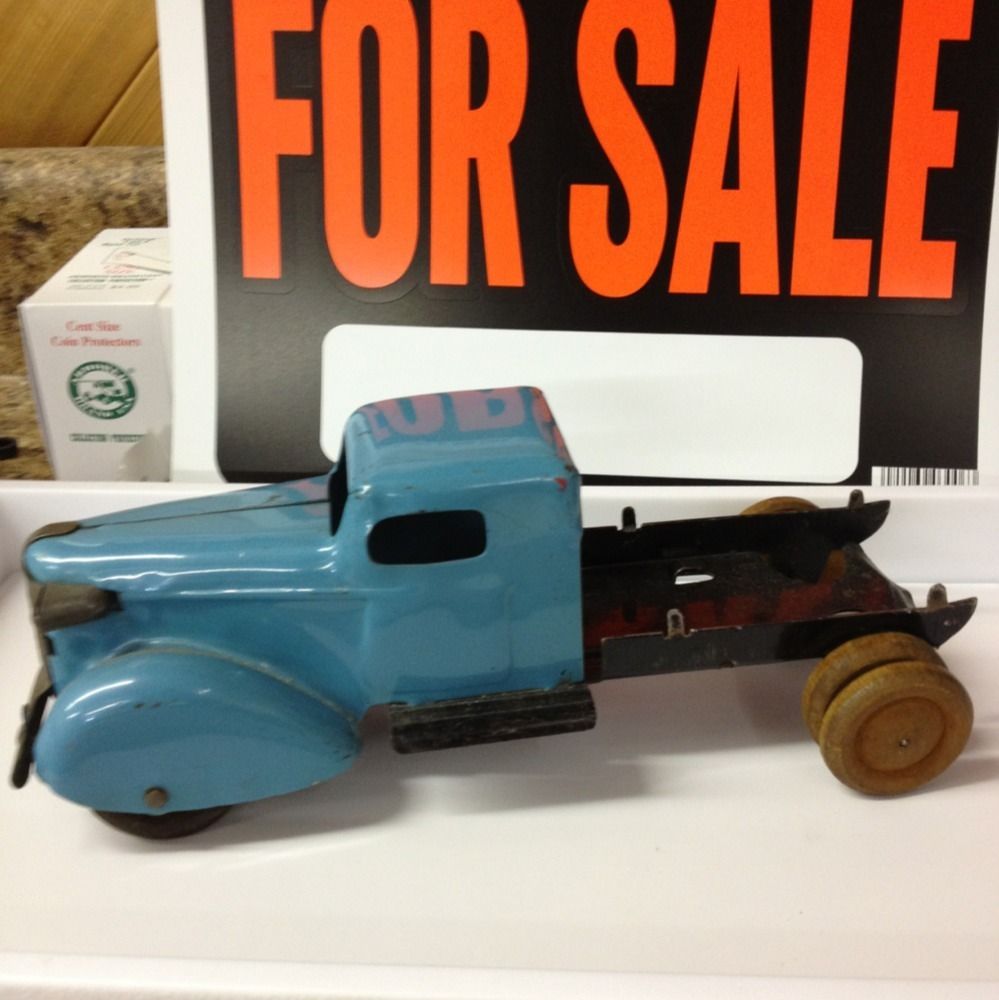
(691, 406)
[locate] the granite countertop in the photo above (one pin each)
(52, 202)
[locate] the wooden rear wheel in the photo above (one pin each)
(780, 505)
(851, 660)
(896, 727)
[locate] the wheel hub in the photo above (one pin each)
(900, 734)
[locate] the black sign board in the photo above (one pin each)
(820, 167)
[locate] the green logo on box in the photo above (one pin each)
(102, 390)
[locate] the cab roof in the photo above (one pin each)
(455, 440)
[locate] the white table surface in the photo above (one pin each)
(694, 834)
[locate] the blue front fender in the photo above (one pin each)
(205, 729)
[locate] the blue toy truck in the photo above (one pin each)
(203, 653)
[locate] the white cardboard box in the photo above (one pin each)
(692, 845)
(93, 335)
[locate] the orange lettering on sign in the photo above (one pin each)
(921, 138)
(371, 260)
(267, 126)
(461, 135)
(606, 267)
(738, 66)
(824, 265)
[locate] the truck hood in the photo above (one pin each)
(298, 491)
(267, 539)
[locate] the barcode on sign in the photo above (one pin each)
(897, 475)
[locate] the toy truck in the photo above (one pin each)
(208, 652)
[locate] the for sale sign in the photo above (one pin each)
(776, 212)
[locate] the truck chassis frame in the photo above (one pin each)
(676, 596)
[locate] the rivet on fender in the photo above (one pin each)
(156, 798)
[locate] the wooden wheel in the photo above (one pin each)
(780, 505)
(851, 660)
(896, 727)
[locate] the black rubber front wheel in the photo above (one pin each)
(165, 826)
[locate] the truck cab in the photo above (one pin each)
(440, 504)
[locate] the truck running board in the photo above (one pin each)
(491, 718)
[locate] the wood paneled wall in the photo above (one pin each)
(79, 72)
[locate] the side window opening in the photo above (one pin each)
(338, 491)
(429, 537)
